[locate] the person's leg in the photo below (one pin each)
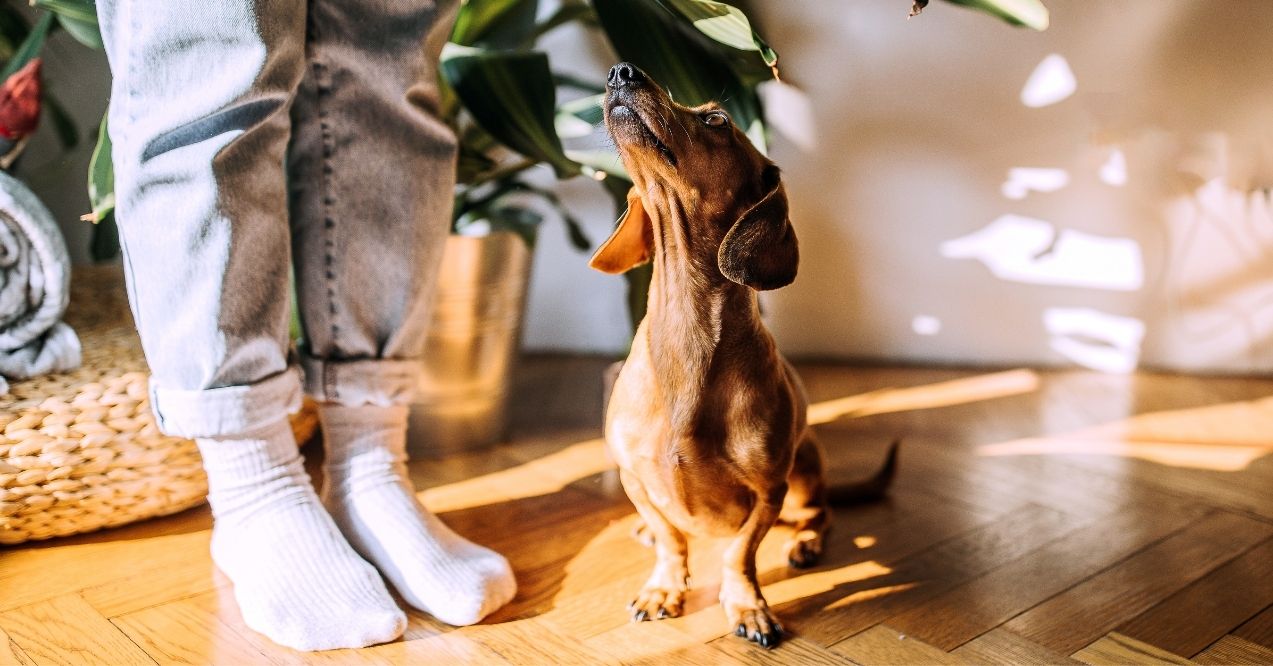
(372, 170)
(199, 121)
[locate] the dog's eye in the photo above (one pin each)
(715, 119)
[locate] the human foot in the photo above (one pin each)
(367, 491)
(296, 579)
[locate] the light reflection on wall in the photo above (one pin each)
(1022, 249)
(1049, 83)
(1094, 339)
(924, 136)
(1022, 180)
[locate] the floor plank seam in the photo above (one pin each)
(1118, 562)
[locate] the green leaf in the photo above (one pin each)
(574, 229)
(295, 329)
(694, 69)
(1028, 13)
(64, 125)
(104, 244)
(84, 32)
(13, 29)
(589, 109)
(575, 10)
(725, 24)
(511, 96)
(520, 220)
(471, 164)
(101, 177)
(584, 85)
(578, 118)
(80, 10)
(597, 162)
(495, 23)
(638, 280)
(30, 47)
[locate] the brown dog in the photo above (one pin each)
(707, 420)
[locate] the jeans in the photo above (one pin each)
(253, 134)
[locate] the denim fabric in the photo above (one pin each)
(252, 133)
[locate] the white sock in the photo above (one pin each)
(367, 491)
(295, 577)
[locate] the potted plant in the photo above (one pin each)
(500, 95)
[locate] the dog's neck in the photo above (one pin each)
(696, 319)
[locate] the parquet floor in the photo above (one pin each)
(1038, 517)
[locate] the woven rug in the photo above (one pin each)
(79, 451)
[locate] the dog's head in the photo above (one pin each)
(696, 165)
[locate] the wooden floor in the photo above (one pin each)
(1038, 517)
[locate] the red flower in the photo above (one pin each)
(20, 102)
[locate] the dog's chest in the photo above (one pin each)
(688, 482)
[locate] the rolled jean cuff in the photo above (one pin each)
(382, 382)
(227, 411)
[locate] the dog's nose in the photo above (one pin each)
(624, 74)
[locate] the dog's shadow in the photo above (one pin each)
(576, 558)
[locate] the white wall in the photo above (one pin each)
(917, 124)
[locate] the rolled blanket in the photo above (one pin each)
(35, 277)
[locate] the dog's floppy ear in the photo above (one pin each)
(760, 250)
(632, 242)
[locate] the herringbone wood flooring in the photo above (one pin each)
(1038, 517)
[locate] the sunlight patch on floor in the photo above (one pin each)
(1224, 438)
(552, 472)
(929, 396)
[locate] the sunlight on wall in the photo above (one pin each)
(926, 325)
(1023, 249)
(1094, 339)
(1021, 180)
(1219, 292)
(1114, 171)
(1051, 82)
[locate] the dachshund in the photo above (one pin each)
(707, 420)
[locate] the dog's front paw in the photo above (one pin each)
(804, 550)
(757, 625)
(657, 603)
(749, 616)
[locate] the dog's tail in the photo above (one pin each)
(871, 489)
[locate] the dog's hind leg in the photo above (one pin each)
(663, 595)
(806, 506)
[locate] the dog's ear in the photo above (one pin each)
(632, 242)
(760, 250)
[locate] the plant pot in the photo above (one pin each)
(472, 345)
